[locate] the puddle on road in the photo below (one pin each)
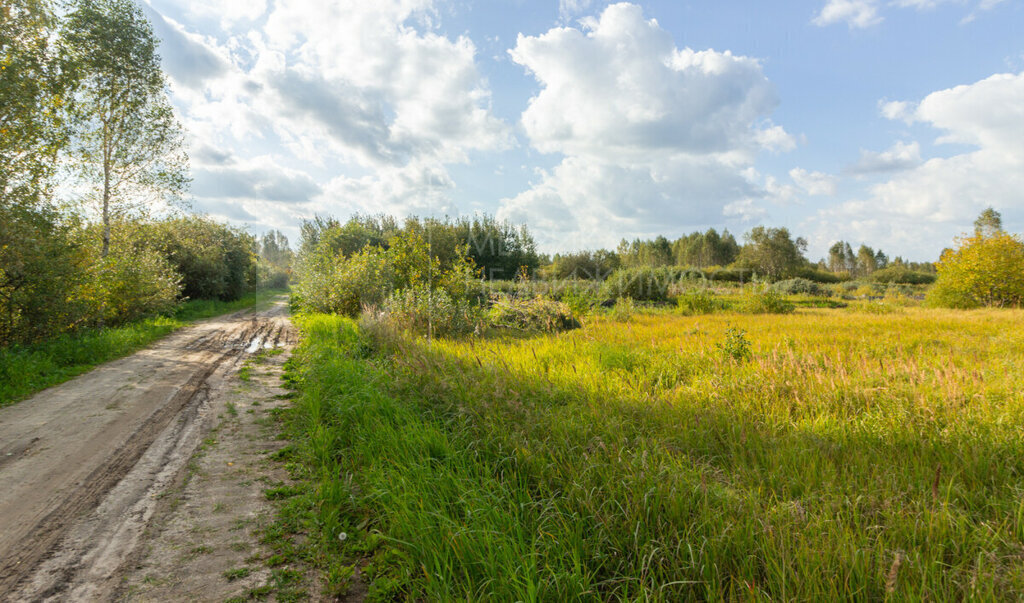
(257, 343)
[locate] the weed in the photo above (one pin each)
(736, 345)
(237, 573)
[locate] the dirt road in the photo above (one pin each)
(84, 465)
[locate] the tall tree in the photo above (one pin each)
(773, 251)
(989, 223)
(31, 101)
(128, 142)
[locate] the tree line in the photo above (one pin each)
(93, 172)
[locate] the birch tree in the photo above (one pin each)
(128, 143)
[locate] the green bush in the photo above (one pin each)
(821, 276)
(698, 301)
(434, 313)
(133, 286)
(215, 261)
(343, 286)
(901, 275)
(800, 286)
(736, 345)
(765, 302)
(640, 284)
(537, 314)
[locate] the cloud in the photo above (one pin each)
(814, 183)
(186, 57)
(923, 206)
(900, 156)
(365, 89)
(856, 13)
(569, 8)
(859, 14)
(262, 180)
(650, 133)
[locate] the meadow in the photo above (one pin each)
(867, 452)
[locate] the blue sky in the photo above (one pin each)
(890, 123)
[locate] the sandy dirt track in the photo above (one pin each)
(84, 464)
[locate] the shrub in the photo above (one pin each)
(821, 276)
(215, 261)
(765, 302)
(800, 286)
(698, 301)
(129, 287)
(537, 314)
(430, 312)
(981, 271)
(343, 286)
(624, 309)
(901, 275)
(578, 303)
(641, 284)
(736, 345)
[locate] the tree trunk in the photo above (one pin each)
(106, 194)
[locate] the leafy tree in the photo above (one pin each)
(866, 260)
(591, 265)
(774, 252)
(43, 267)
(275, 250)
(983, 270)
(127, 141)
(32, 100)
(989, 223)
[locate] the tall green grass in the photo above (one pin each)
(25, 370)
(851, 456)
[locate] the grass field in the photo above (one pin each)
(826, 454)
(25, 370)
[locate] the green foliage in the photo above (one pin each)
(587, 265)
(429, 312)
(44, 274)
(899, 274)
(33, 98)
(215, 261)
(338, 285)
(537, 314)
(800, 286)
(498, 249)
(624, 309)
(736, 345)
(772, 252)
(983, 270)
(767, 301)
(641, 284)
(698, 301)
(578, 302)
(129, 287)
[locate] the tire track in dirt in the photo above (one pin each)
(83, 463)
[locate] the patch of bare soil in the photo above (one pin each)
(144, 478)
(204, 544)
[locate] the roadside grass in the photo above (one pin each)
(25, 370)
(850, 454)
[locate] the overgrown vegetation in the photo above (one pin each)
(813, 456)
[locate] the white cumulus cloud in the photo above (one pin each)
(651, 134)
(925, 206)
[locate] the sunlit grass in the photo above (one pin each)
(25, 370)
(858, 453)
